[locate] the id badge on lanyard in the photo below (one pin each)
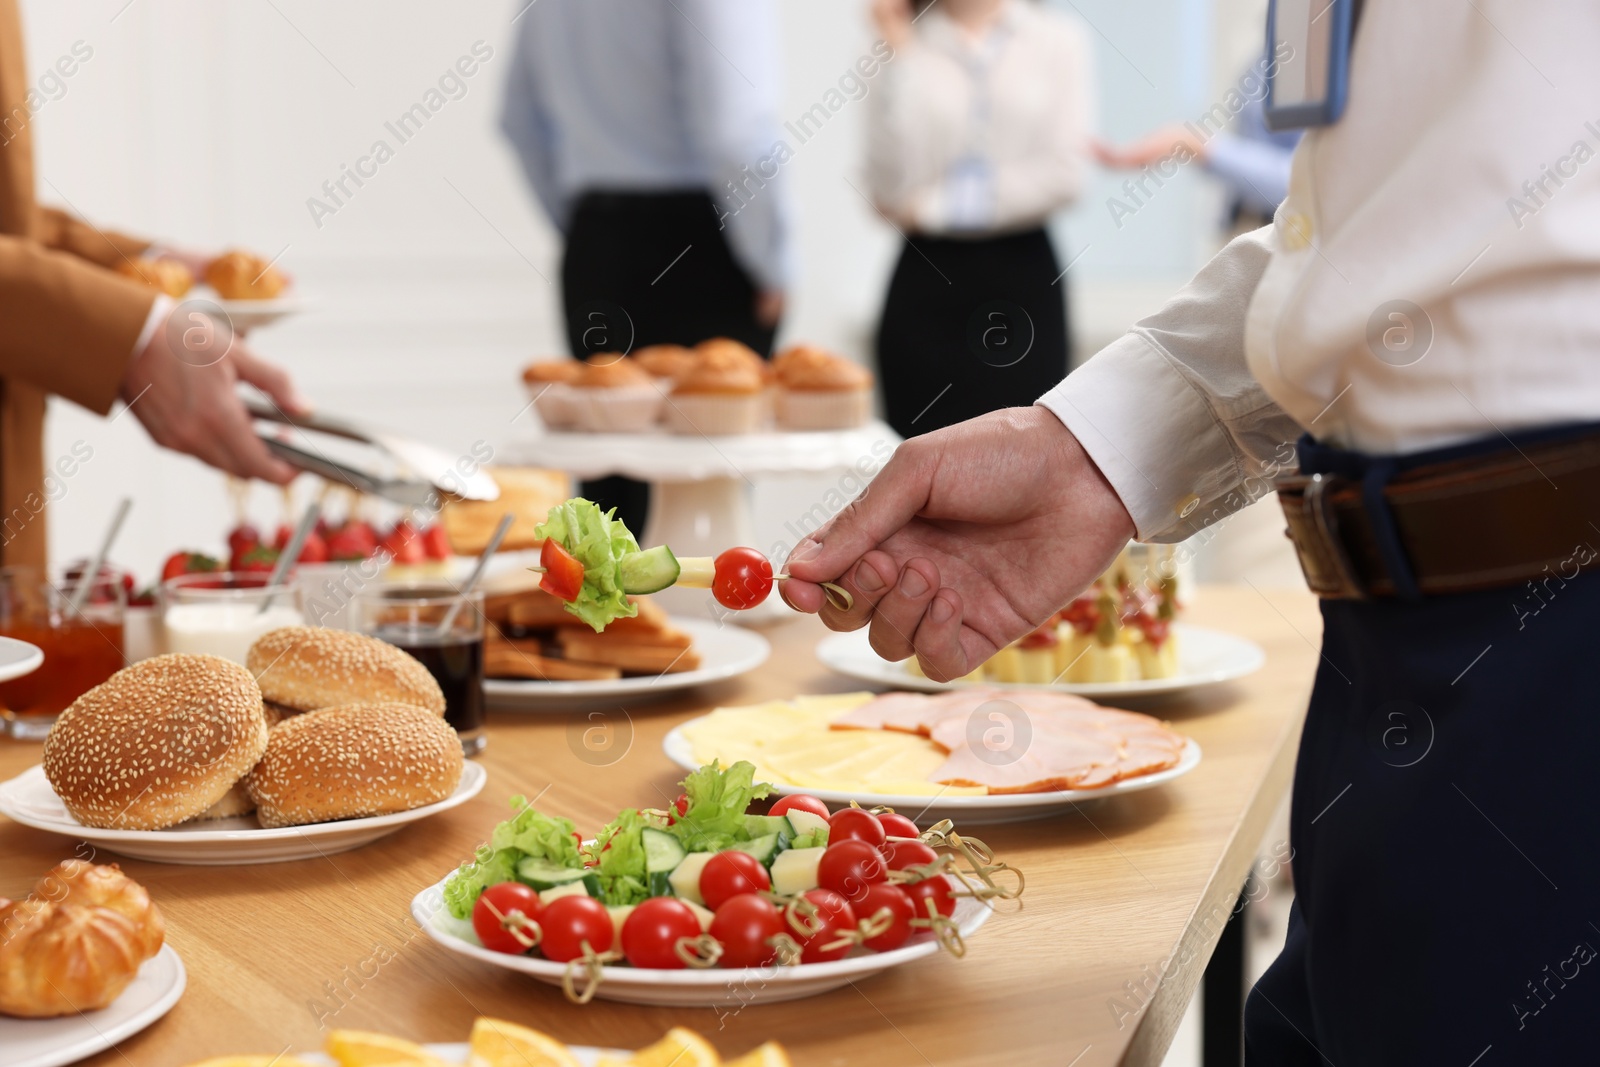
(1309, 42)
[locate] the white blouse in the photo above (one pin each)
(985, 134)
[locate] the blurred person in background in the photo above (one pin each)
(69, 326)
(978, 133)
(640, 125)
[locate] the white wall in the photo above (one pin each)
(211, 124)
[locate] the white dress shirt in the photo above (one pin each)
(987, 133)
(654, 96)
(1418, 194)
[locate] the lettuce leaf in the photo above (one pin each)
(599, 541)
(718, 799)
(527, 833)
(620, 848)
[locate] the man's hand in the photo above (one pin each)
(181, 387)
(969, 538)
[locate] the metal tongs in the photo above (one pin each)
(424, 471)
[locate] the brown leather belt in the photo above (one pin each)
(1463, 525)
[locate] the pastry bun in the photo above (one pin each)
(167, 275)
(665, 361)
(304, 668)
(240, 275)
(543, 371)
(608, 370)
(76, 942)
(156, 743)
(354, 761)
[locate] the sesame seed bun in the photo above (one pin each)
(354, 761)
(305, 668)
(156, 743)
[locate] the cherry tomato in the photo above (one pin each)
(727, 874)
(742, 578)
(744, 927)
(651, 933)
(800, 802)
(848, 867)
(857, 823)
(901, 910)
(896, 825)
(519, 908)
(680, 807)
(563, 572)
(904, 854)
(833, 916)
(934, 889)
(570, 921)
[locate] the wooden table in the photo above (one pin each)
(1118, 890)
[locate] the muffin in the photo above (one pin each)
(239, 275)
(167, 275)
(818, 390)
(665, 362)
(549, 383)
(725, 351)
(614, 395)
(721, 394)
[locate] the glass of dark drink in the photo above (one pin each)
(444, 631)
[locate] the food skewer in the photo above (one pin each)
(91, 573)
(592, 563)
(478, 570)
(289, 556)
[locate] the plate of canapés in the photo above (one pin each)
(83, 965)
(1120, 638)
(706, 901)
(171, 758)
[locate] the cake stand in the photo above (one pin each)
(701, 486)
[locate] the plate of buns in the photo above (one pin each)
(248, 287)
(83, 965)
(537, 655)
(183, 759)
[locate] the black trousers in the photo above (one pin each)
(1445, 830)
(644, 269)
(970, 325)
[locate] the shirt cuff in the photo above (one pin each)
(158, 313)
(1151, 434)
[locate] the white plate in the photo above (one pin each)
(253, 314)
(18, 658)
(725, 652)
(50, 1042)
(28, 799)
(1205, 657)
(693, 988)
(961, 810)
(587, 1055)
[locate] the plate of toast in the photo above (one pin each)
(537, 656)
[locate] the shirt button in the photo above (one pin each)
(1296, 231)
(1187, 505)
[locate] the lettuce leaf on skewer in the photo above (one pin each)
(599, 541)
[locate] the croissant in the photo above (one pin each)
(76, 942)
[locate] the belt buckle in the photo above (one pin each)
(1327, 565)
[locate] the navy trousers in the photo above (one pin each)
(1446, 835)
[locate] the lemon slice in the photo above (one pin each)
(361, 1048)
(497, 1043)
(250, 1061)
(680, 1048)
(770, 1054)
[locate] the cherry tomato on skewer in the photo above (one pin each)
(744, 926)
(729, 874)
(896, 825)
(651, 933)
(502, 913)
(570, 921)
(901, 911)
(743, 578)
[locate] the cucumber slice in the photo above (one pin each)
(766, 849)
(795, 871)
(806, 821)
(649, 571)
(685, 878)
(762, 825)
(541, 874)
(662, 854)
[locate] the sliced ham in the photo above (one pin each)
(1067, 742)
